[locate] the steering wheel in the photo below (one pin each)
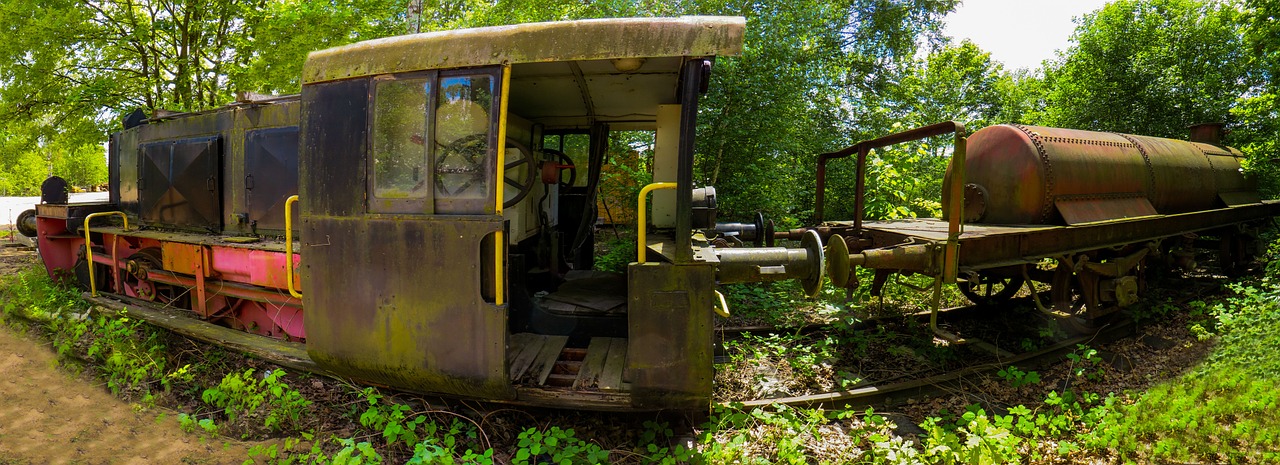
(555, 173)
(461, 163)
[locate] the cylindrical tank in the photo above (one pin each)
(1038, 175)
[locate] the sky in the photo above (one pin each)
(1019, 33)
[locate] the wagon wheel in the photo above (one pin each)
(991, 291)
(1068, 298)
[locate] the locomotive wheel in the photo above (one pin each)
(149, 290)
(991, 291)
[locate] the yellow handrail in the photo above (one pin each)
(288, 245)
(88, 247)
(723, 308)
(499, 241)
(640, 216)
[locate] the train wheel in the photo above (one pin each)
(1068, 297)
(991, 291)
(138, 287)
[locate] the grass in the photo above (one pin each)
(1221, 410)
(1224, 410)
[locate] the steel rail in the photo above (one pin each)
(894, 393)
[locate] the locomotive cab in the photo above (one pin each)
(448, 208)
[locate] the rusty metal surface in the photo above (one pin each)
(670, 329)
(1090, 208)
(986, 246)
(179, 202)
(271, 175)
(126, 164)
(397, 300)
(181, 183)
(862, 149)
(334, 129)
(594, 39)
(183, 258)
(1028, 173)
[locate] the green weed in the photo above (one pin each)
(243, 396)
(1018, 378)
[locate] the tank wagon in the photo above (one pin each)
(422, 216)
(1083, 212)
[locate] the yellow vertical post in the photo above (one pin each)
(288, 245)
(88, 247)
(640, 216)
(499, 241)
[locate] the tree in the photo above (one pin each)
(70, 68)
(1257, 114)
(1149, 67)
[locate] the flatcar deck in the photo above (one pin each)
(987, 246)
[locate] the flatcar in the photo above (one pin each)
(1083, 212)
(422, 217)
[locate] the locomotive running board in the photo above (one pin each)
(286, 354)
(294, 355)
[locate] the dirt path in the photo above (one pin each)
(48, 416)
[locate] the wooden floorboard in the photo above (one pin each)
(546, 359)
(611, 373)
(589, 374)
(525, 347)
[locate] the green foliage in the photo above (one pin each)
(1086, 363)
(619, 253)
(128, 353)
(1139, 66)
(1224, 410)
(267, 399)
(1018, 378)
(555, 445)
(70, 69)
(189, 423)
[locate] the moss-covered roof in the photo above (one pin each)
(593, 39)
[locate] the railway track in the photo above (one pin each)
(293, 355)
(897, 392)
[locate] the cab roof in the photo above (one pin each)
(562, 41)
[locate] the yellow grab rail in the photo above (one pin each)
(640, 216)
(288, 245)
(88, 247)
(499, 239)
(723, 308)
